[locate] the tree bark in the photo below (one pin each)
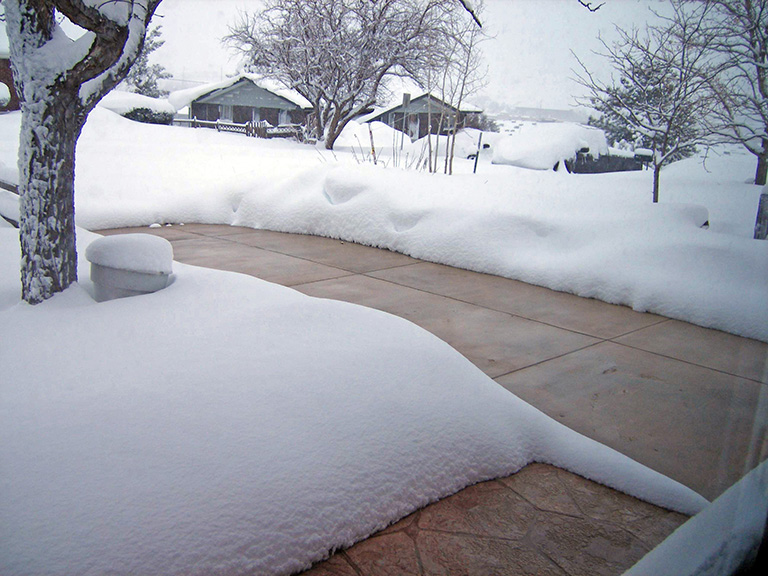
(47, 199)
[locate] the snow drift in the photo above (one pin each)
(226, 425)
(597, 236)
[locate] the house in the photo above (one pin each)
(6, 78)
(416, 116)
(248, 99)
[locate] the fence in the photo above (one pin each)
(262, 129)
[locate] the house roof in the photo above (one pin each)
(182, 98)
(419, 101)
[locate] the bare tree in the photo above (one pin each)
(740, 28)
(339, 53)
(59, 82)
(463, 74)
(660, 90)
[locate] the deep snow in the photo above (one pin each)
(597, 236)
(227, 425)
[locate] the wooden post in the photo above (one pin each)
(761, 222)
(373, 147)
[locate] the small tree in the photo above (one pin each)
(59, 82)
(660, 92)
(143, 76)
(740, 29)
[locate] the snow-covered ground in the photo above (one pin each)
(594, 235)
(227, 425)
(138, 437)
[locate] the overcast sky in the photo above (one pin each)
(529, 59)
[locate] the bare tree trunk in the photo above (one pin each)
(762, 165)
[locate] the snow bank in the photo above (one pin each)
(227, 425)
(123, 102)
(541, 229)
(719, 539)
(542, 145)
(356, 136)
(597, 236)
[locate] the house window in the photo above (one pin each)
(242, 114)
(226, 112)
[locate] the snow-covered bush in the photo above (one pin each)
(149, 116)
(541, 146)
(139, 108)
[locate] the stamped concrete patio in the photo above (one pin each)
(684, 400)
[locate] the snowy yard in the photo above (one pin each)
(597, 236)
(226, 425)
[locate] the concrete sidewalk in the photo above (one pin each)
(684, 400)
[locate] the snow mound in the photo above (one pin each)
(226, 425)
(356, 136)
(542, 145)
(597, 236)
(123, 102)
(137, 252)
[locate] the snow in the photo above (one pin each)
(123, 102)
(9, 205)
(137, 252)
(718, 540)
(5, 95)
(597, 236)
(542, 145)
(227, 425)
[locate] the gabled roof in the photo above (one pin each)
(182, 98)
(418, 102)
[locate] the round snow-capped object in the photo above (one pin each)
(129, 265)
(136, 252)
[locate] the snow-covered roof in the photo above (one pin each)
(378, 112)
(122, 102)
(181, 98)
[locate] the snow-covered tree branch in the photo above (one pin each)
(339, 53)
(59, 82)
(660, 91)
(741, 30)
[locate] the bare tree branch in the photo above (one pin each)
(588, 5)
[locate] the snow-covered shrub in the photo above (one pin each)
(149, 116)
(542, 146)
(139, 108)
